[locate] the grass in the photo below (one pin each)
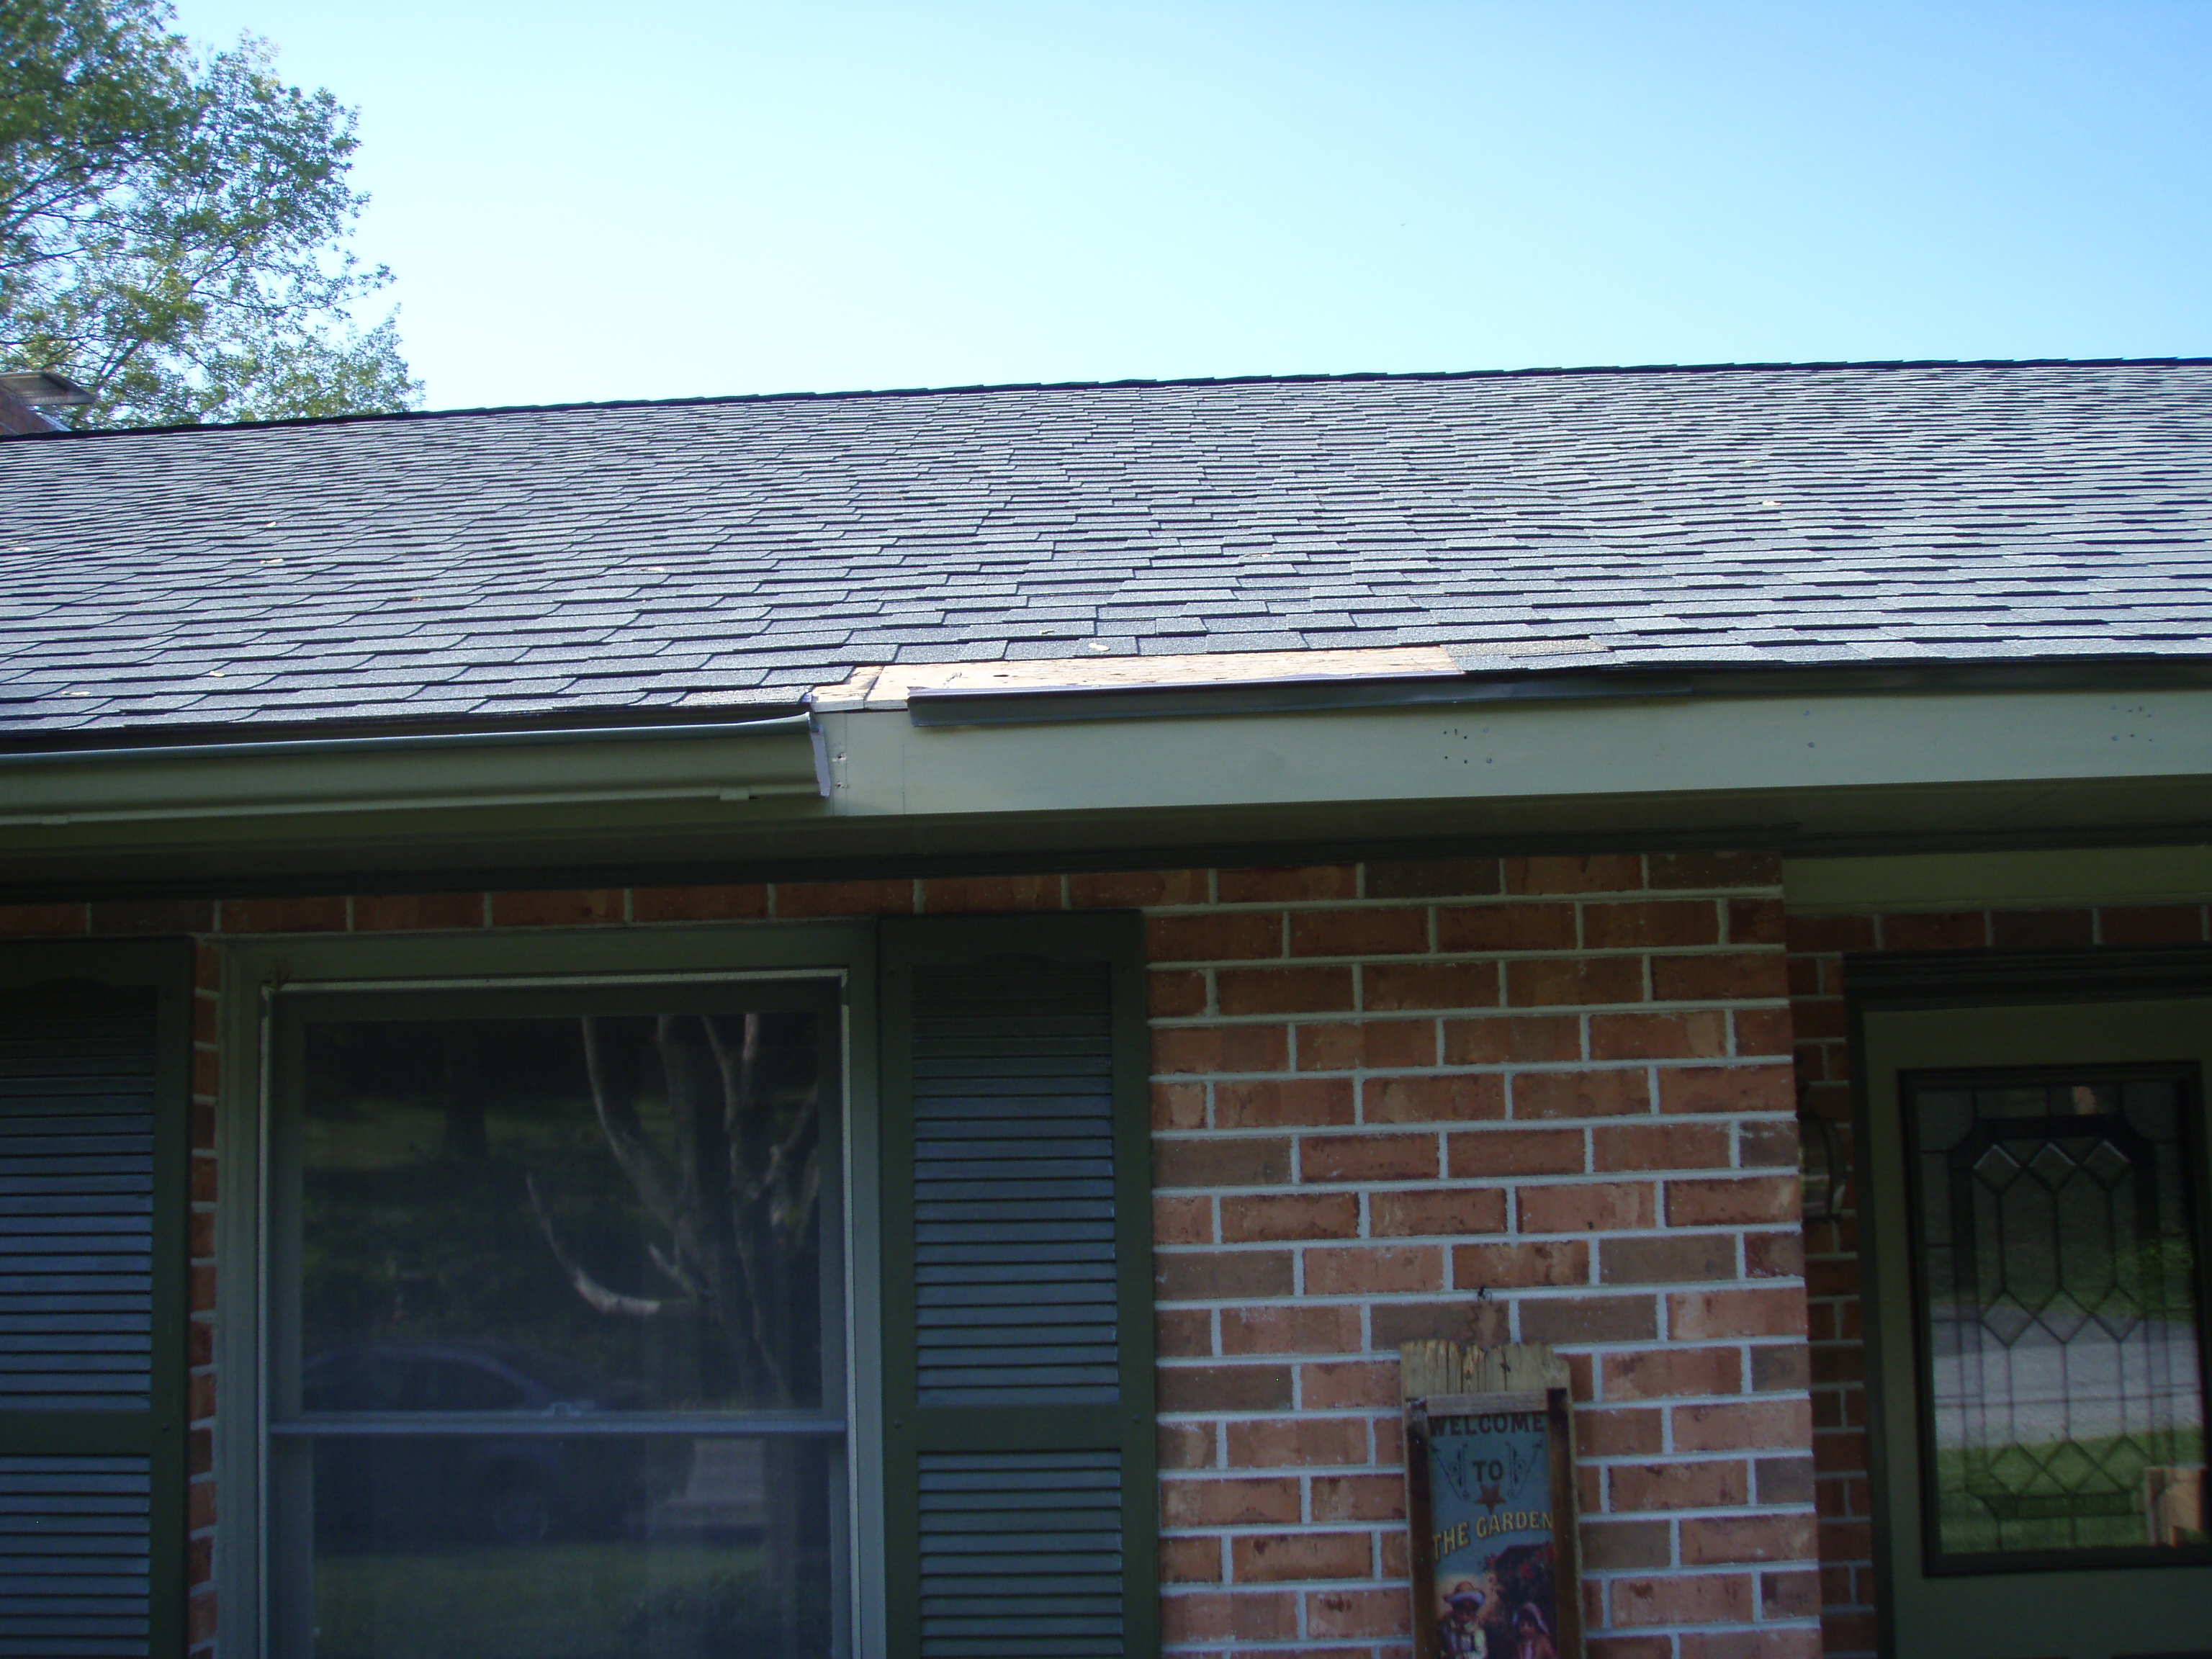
(1971, 1527)
(584, 1600)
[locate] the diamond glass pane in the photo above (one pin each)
(2059, 1290)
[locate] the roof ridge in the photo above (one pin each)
(1134, 383)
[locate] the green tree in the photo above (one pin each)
(172, 225)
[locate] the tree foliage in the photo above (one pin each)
(172, 225)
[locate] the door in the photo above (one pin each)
(2034, 1238)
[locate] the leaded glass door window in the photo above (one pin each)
(2032, 1180)
(2056, 1293)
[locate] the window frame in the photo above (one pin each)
(1877, 986)
(255, 974)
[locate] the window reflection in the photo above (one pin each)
(521, 1246)
(636, 1197)
(2057, 1293)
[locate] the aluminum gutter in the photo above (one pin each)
(2044, 878)
(417, 771)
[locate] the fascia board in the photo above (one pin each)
(884, 764)
(1893, 769)
(442, 773)
(1991, 879)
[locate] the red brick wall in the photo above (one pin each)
(1818, 946)
(1544, 1099)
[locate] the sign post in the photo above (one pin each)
(1490, 1478)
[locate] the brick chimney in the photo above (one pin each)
(26, 396)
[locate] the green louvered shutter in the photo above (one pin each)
(1020, 1513)
(93, 1146)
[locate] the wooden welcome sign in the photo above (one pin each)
(1490, 1489)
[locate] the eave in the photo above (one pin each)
(1835, 765)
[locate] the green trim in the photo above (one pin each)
(1127, 1424)
(1998, 879)
(644, 864)
(1489, 753)
(1895, 980)
(161, 1433)
(1132, 1157)
(545, 955)
(104, 1434)
(238, 1473)
(901, 1477)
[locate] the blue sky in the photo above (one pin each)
(656, 200)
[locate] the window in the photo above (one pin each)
(556, 1312)
(2034, 1171)
(2056, 1311)
(646, 1292)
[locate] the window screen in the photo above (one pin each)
(559, 1311)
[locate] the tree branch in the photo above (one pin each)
(647, 1167)
(600, 1298)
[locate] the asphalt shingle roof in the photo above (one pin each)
(510, 562)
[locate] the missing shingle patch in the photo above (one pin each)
(890, 687)
(894, 685)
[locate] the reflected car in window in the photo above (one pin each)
(391, 1487)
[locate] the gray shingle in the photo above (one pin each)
(681, 554)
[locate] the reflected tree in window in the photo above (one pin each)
(735, 1191)
(732, 1187)
(510, 1219)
